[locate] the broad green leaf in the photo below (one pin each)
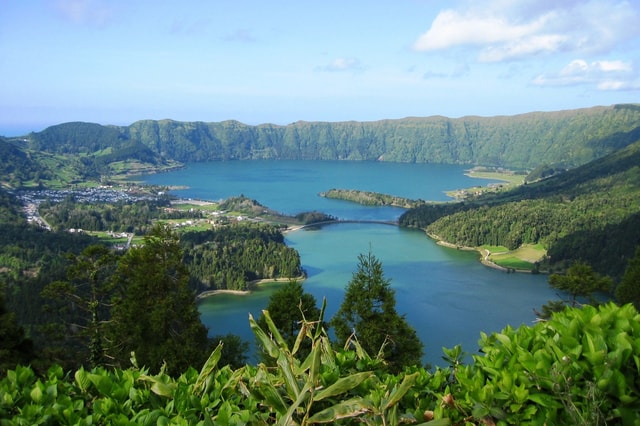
(343, 385)
(399, 391)
(36, 394)
(345, 409)
(82, 379)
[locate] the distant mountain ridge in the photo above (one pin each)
(570, 138)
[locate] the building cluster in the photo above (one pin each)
(31, 199)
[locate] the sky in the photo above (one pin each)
(256, 61)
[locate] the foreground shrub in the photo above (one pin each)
(580, 367)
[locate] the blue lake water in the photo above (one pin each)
(446, 294)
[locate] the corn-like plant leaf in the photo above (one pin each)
(343, 385)
(328, 355)
(291, 384)
(345, 409)
(320, 319)
(399, 391)
(207, 369)
(268, 344)
(304, 328)
(274, 330)
(304, 395)
(314, 367)
(271, 396)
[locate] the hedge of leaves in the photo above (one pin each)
(580, 367)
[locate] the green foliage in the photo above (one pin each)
(580, 281)
(15, 348)
(571, 137)
(289, 307)
(589, 213)
(231, 257)
(154, 313)
(580, 367)
(368, 312)
(121, 216)
(368, 198)
(628, 290)
(87, 291)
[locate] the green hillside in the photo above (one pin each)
(591, 213)
(571, 138)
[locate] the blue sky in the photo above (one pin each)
(119, 61)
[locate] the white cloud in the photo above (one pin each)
(343, 64)
(502, 30)
(604, 75)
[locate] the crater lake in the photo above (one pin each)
(447, 295)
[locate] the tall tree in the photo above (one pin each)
(87, 290)
(288, 307)
(15, 348)
(628, 291)
(580, 281)
(369, 312)
(154, 313)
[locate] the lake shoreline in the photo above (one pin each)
(484, 254)
(209, 293)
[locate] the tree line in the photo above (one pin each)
(588, 213)
(569, 138)
(231, 257)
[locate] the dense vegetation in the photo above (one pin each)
(368, 313)
(122, 216)
(38, 282)
(591, 213)
(368, 198)
(70, 301)
(580, 367)
(231, 257)
(558, 139)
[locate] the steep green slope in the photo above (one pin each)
(570, 138)
(590, 213)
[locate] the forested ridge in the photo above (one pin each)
(590, 213)
(569, 137)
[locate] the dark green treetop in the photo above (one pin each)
(628, 291)
(368, 311)
(155, 313)
(288, 308)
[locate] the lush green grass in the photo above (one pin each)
(513, 263)
(512, 179)
(494, 249)
(523, 257)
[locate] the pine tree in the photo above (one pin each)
(155, 313)
(287, 308)
(628, 291)
(15, 348)
(369, 312)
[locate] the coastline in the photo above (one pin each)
(484, 254)
(251, 285)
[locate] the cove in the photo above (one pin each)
(446, 294)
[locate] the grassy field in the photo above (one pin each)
(523, 257)
(510, 178)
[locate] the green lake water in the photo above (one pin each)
(446, 294)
